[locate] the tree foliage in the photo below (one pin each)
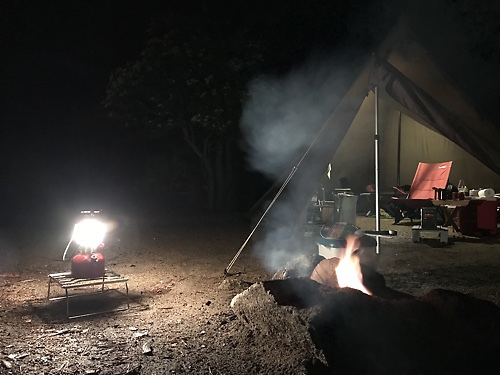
(194, 83)
(183, 80)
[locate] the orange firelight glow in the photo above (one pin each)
(349, 270)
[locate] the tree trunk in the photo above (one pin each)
(231, 193)
(209, 179)
(217, 168)
(224, 175)
(209, 173)
(219, 175)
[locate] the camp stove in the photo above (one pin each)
(88, 235)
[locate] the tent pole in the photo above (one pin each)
(398, 172)
(377, 192)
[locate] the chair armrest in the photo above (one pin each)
(399, 191)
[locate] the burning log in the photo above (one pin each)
(325, 273)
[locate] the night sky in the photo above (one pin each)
(57, 57)
(59, 151)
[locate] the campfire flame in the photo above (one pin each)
(349, 270)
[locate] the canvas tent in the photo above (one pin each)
(419, 138)
(437, 124)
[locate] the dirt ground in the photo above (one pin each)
(180, 320)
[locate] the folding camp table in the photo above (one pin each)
(451, 210)
(68, 283)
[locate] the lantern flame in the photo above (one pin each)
(89, 233)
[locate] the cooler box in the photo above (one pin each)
(330, 248)
(332, 241)
(478, 218)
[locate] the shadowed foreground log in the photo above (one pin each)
(332, 330)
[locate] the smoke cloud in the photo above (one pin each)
(280, 122)
(283, 114)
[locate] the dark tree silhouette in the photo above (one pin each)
(192, 83)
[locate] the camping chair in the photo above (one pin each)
(430, 182)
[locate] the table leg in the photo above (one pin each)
(451, 214)
(48, 291)
(67, 303)
(128, 302)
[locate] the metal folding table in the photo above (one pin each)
(65, 281)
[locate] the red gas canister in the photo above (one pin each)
(87, 266)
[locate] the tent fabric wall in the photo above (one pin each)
(354, 158)
(418, 104)
(404, 50)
